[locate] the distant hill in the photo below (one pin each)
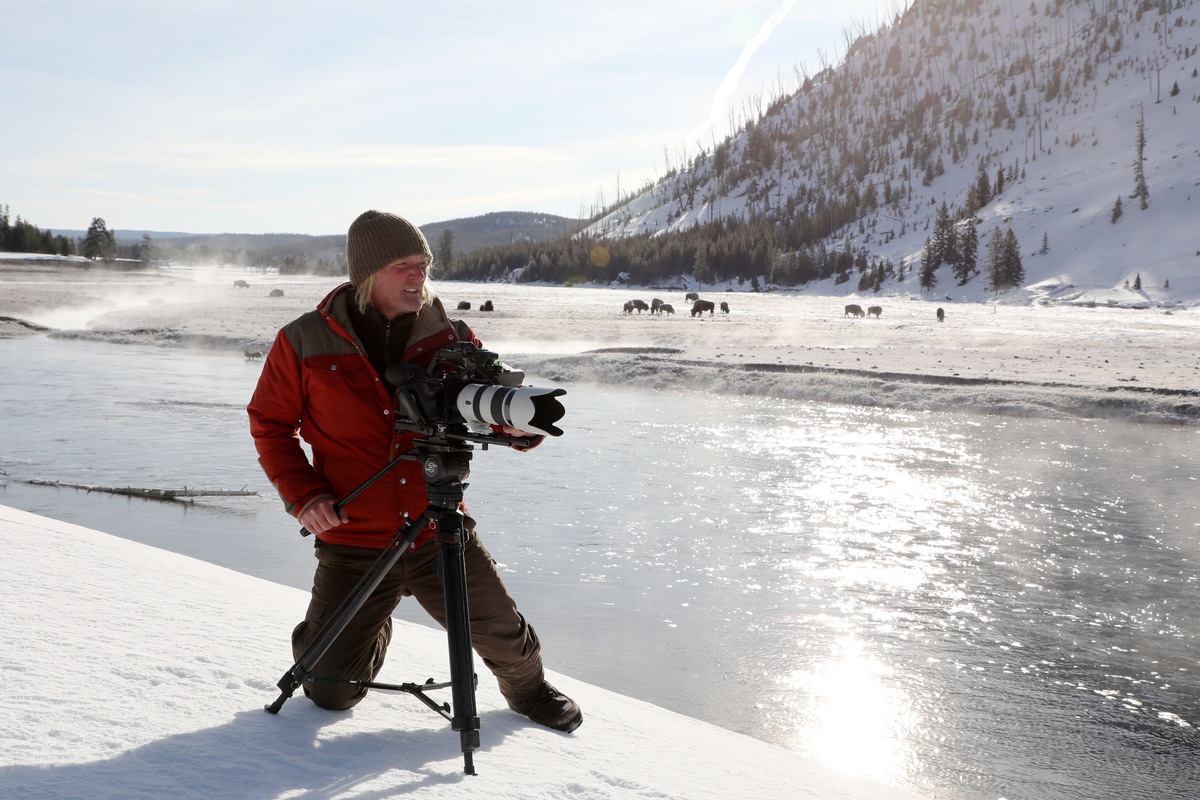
(127, 237)
(501, 227)
(470, 233)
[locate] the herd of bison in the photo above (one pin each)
(700, 306)
(659, 307)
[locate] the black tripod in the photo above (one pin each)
(445, 464)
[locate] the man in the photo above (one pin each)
(325, 378)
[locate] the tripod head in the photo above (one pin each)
(445, 467)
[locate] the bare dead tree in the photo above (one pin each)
(1157, 64)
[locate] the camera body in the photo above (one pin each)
(466, 386)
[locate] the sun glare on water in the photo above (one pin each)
(857, 720)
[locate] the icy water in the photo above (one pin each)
(971, 606)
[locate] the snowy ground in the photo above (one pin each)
(131, 672)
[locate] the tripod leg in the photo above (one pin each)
(302, 669)
(458, 628)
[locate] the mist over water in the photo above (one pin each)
(974, 606)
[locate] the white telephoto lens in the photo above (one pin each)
(526, 408)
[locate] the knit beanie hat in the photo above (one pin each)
(376, 239)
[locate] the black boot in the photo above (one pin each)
(550, 707)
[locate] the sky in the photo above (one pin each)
(221, 116)
(131, 673)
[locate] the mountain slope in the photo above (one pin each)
(1013, 115)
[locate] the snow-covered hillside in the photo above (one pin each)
(1015, 114)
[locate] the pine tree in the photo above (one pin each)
(1140, 190)
(99, 242)
(1045, 243)
(973, 203)
(1117, 211)
(1014, 270)
(950, 247)
(928, 278)
(967, 265)
(983, 189)
(1005, 268)
(938, 247)
(445, 251)
(995, 261)
(146, 251)
(702, 267)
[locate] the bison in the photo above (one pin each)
(874, 311)
(854, 310)
(640, 305)
(464, 305)
(240, 285)
(487, 306)
(276, 293)
(724, 307)
(700, 306)
(254, 355)
(691, 296)
(655, 305)
(941, 315)
(666, 308)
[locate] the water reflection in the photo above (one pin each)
(859, 720)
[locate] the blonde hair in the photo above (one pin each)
(362, 292)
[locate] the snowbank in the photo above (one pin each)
(131, 672)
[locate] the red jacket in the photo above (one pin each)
(317, 382)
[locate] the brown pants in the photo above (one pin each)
(507, 643)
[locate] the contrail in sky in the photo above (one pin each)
(729, 84)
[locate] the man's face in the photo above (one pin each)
(398, 286)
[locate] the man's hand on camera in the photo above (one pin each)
(517, 433)
(528, 440)
(322, 515)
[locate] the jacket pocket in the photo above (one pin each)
(336, 384)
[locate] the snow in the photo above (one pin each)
(131, 672)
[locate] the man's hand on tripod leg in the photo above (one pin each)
(322, 514)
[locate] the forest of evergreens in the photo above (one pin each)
(20, 236)
(728, 250)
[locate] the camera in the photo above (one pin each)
(467, 386)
